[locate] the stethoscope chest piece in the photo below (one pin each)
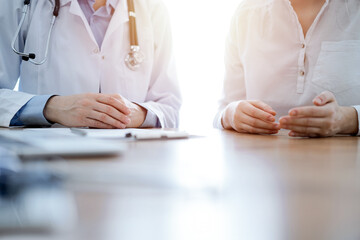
(134, 58)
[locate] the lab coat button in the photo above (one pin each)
(96, 50)
(302, 73)
(303, 45)
(103, 57)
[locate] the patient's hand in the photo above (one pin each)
(250, 117)
(326, 118)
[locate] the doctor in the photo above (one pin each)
(81, 79)
(296, 61)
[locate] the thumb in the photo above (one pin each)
(324, 98)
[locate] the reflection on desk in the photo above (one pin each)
(223, 186)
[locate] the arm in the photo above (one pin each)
(235, 111)
(163, 98)
(10, 101)
(234, 84)
(32, 113)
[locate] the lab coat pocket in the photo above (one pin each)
(338, 66)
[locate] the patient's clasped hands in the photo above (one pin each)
(324, 119)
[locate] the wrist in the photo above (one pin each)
(138, 116)
(227, 116)
(50, 109)
(350, 123)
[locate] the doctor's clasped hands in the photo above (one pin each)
(94, 110)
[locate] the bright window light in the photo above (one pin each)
(200, 28)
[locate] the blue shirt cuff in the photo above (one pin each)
(32, 113)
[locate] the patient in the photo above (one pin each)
(293, 65)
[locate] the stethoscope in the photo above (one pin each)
(133, 59)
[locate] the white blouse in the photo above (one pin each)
(268, 57)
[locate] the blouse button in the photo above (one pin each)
(302, 73)
(303, 45)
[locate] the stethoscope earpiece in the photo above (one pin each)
(31, 56)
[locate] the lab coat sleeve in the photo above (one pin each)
(151, 120)
(10, 101)
(163, 97)
(357, 108)
(234, 83)
(32, 113)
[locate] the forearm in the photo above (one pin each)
(10, 103)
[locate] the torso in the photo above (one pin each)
(284, 68)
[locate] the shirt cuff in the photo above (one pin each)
(357, 108)
(151, 119)
(32, 113)
(217, 120)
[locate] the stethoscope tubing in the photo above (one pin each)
(132, 60)
(24, 12)
(132, 22)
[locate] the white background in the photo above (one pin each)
(200, 28)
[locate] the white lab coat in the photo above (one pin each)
(77, 65)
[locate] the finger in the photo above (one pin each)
(308, 112)
(258, 113)
(114, 102)
(111, 111)
(303, 129)
(263, 106)
(311, 122)
(296, 134)
(249, 129)
(257, 123)
(104, 118)
(97, 124)
(324, 98)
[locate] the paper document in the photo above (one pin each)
(49, 142)
(139, 134)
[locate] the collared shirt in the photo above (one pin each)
(268, 57)
(98, 20)
(32, 112)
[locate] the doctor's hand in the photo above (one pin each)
(93, 110)
(326, 118)
(250, 117)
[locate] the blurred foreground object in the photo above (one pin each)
(32, 200)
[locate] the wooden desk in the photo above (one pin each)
(224, 186)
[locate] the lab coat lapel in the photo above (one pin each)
(76, 10)
(64, 2)
(119, 18)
